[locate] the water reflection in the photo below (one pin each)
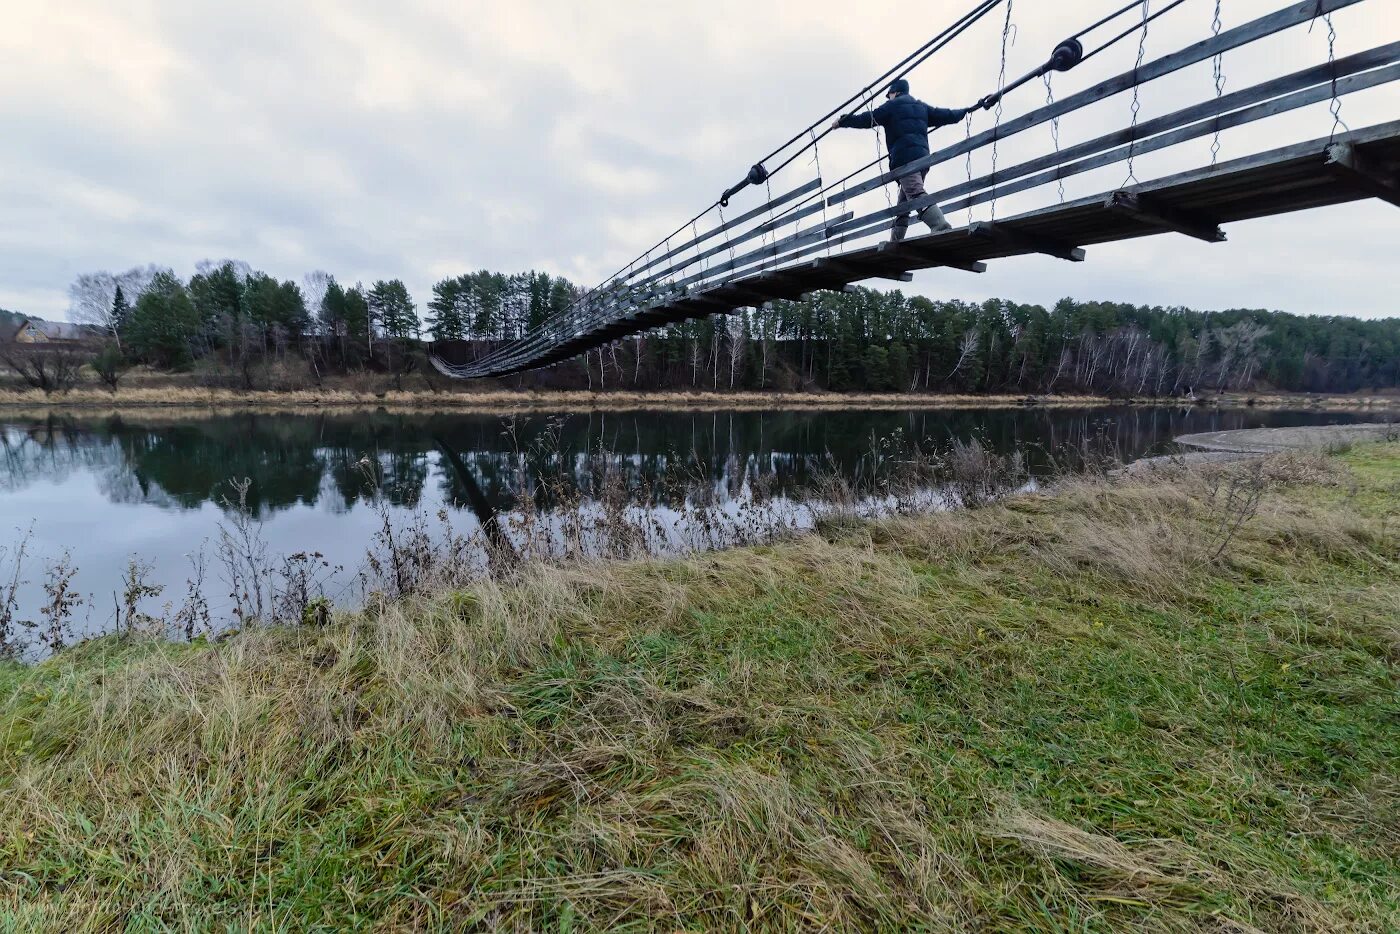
(105, 489)
(298, 461)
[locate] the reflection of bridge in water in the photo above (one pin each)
(765, 254)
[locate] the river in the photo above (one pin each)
(155, 489)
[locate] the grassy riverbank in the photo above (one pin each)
(1165, 702)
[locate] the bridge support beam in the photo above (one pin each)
(1150, 211)
(1026, 243)
(933, 253)
(1351, 166)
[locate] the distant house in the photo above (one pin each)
(36, 331)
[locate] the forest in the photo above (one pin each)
(233, 323)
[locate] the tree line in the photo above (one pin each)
(866, 340)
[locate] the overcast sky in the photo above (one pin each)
(424, 139)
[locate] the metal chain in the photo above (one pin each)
(817, 159)
(879, 150)
(1054, 133)
(1137, 104)
(1006, 33)
(1336, 106)
(967, 128)
(768, 185)
(695, 238)
(662, 285)
(728, 241)
(1218, 69)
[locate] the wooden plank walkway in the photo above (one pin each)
(1353, 166)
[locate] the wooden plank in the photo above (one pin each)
(927, 248)
(1236, 168)
(776, 223)
(1344, 161)
(773, 249)
(1206, 128)
(1160, 214)
(1232, 38)
(1307, 78)
(733, 222)
(1027, 243)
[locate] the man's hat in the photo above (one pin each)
(899, 86)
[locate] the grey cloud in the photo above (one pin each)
(375, 140)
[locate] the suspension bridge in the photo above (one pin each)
(812, 238)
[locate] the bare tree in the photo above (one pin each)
(91, 295)
(48, 367)
(971, 340)
(314, 286)
(738, 329)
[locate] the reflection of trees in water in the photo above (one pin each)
(295, 459)
(51, 450)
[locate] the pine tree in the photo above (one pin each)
(164, 323)
(121, 314)
(391, 305)
(333, 310)
(448, 320)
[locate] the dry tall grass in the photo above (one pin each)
(1063, 711)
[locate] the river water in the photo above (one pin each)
(152, 488)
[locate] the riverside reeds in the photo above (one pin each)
(976, 719)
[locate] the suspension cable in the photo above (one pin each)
(866, 97)
(1112, 16)
(1134, 28)
(914, 59)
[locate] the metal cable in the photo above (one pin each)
(1109, 17)
(920, 55)
(909, 63)
(1128, 32)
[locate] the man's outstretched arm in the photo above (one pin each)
(946, 116)
(863, 121)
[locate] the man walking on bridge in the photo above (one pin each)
(907, 121)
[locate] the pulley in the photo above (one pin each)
(757, 176)
(1066, 55)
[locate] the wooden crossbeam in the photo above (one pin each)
(931, 249)
(705, 301)
(1345, 162)
(1026, 243)
(1152, 211)
(742, 295)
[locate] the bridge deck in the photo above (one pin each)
(1194, 203)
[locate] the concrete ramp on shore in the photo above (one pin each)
(1271, 440)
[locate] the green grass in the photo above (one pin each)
(1057, 713)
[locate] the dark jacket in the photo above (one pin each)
(906, 121)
